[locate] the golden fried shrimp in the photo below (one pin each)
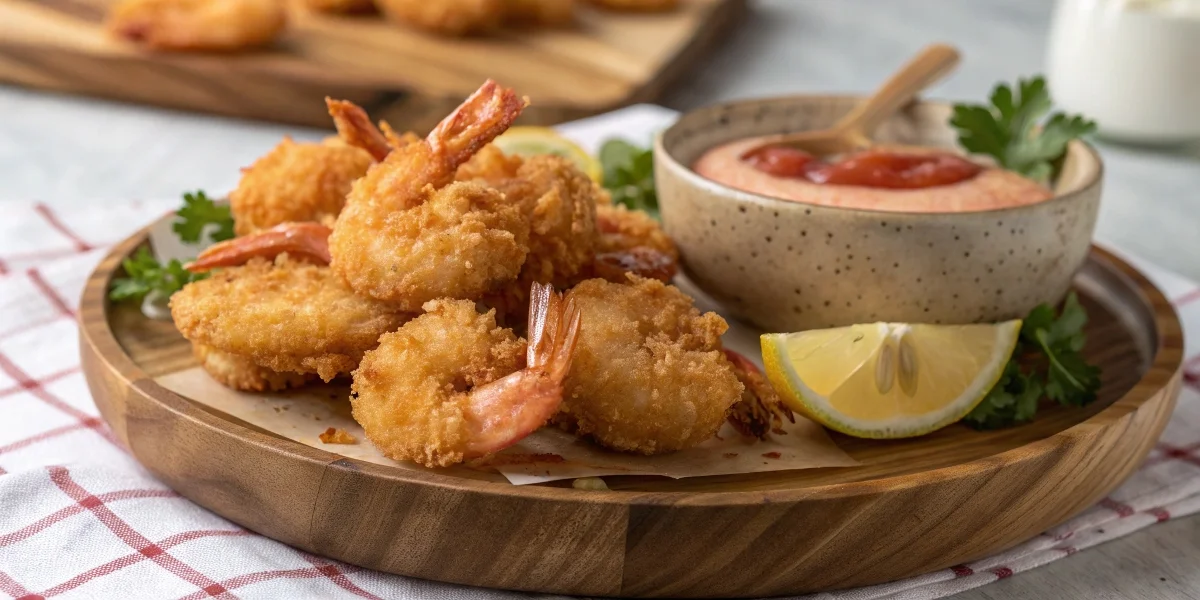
(409, 234)
(630, 241)
(649, 374)
(300, 240)
(450, 385)
(340, 6)
(241, 373)
(637, 5)
(760, 411)
(219, 25)
(296, 182)
(446, 17)
(286, 315)
(548, 13)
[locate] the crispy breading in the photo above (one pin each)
(296, 182)
(241, 373)
(284, 315)
(649, 374)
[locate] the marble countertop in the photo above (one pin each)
(82, 151)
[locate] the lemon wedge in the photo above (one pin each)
(532, 141)
(888, 380)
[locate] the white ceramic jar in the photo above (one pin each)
(1131, 65)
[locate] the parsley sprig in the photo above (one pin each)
(1012, 131)
(199, 211)
(1047, 361)
(144, 275)
(629, 175)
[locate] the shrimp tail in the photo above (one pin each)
(640, 260)
(475, 123)
(553, 331)
(307, 240)
(355, 128)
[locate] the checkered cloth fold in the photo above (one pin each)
(82, 519)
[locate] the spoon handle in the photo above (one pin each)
(933, 63)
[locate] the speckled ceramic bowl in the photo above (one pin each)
(788, 266)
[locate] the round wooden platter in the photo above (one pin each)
(913, 506)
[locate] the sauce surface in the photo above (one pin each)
(885, 178)
(869, 168)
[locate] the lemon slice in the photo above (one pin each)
(888, 380)
(532, 141)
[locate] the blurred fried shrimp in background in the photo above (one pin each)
(340, 6)
(410, 234)
(446, 17)
(630, 241)
(217, 25)
(451, 385)
(649, 374)
(547, 13)
(637, 5)
(296, 182)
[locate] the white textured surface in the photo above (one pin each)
(80, 152)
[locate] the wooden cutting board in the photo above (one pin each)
(409, 78)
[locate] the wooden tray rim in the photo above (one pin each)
(1166, 360)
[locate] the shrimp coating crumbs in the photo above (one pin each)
(409, 233)
(283, 315)
(296, 182)
(240, 373)
(451, 385)
(217, 25)
(649, 374)
(624, 229)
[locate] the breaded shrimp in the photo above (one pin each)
(559, 202)
(408, 234)
(649, 374)
(446, 17)
(296, 182)
(220, 25)
(632, 242)
(451, 386)
(241, 373)
(340, 6)
(637, 5)
(286, 315)
(548, 13)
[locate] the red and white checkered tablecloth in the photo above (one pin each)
(81, 518)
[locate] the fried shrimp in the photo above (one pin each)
(637, 5)
(285, 315)
(446, 17)
(548, 13)
(450, 385)
(649, 374)
(630, 241)
(241, 373)
(410, 234)
(296, 182)
(340, 6)
(559, 202)
(220, 25)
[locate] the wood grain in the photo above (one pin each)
(409, 78)
(914, 505)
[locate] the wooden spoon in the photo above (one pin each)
(853, 131)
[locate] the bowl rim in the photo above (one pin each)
(662, 155)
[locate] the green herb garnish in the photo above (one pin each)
(629, 175)
(145, 275)
(197, 212)
(1047, 361)
(1011, 130)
